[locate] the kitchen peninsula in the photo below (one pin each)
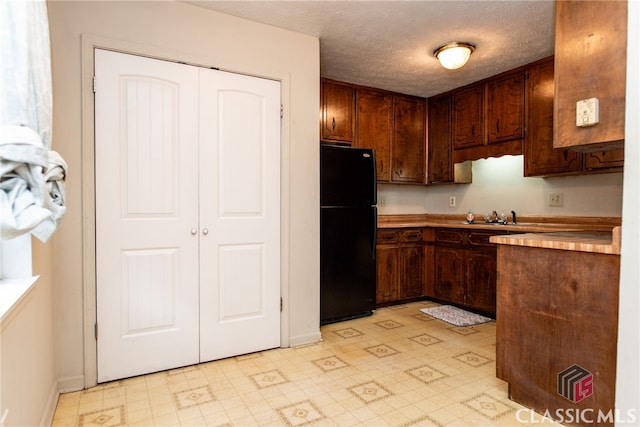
(557, 322)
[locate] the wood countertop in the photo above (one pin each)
(603, 243)
(525, 224)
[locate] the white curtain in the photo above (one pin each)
(32, 198)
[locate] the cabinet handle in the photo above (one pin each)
(473, 131)
(194, 231)
(333, 124)
(498, 125)
(205, 231)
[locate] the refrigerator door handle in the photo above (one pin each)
(374, 232)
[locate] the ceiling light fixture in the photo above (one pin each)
(454, 55)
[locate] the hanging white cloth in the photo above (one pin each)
(32, 177)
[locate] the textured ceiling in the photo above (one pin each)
(389, 44)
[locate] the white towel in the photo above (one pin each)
(54, 176)
(30, 200)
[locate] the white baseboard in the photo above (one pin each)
(69, 384)
(305, 339)
(50, 407)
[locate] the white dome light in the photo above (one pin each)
(454, 55)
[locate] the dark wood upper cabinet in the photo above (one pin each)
(604, 160)
(487, 117)
(590, 62)
(540, 158)
(440, 163)
(374, 127)
(467, 118)
(337, 112)
(393, 124)
(505, 108)
(407, 155)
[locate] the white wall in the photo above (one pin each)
(178, 31)
(498, 183)
(29, 388)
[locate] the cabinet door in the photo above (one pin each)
(604, 160)
(481, 279)
(386, 273)
(440, 168)
(337, 111)
(449, 274)
(411, 271)
(540, 158)
(374, 126)
(467, 120)
(407, 159)
(505, 108)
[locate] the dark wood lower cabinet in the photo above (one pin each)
(448, 270)
(448, 264)
(386, 273)
(481, 280)
(400, 264)
(411, 270)
(464, 265)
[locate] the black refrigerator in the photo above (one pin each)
(348, 222)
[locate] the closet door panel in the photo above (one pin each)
(240, 211)
(146, 206)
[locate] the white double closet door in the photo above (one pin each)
(187, 181)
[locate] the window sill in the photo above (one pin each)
(13, 293)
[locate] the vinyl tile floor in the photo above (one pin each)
(398, 367)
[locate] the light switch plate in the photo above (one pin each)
(587, 112)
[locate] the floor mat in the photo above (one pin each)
(454, 315)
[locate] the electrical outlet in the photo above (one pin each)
(554, 199)
(452, 201)
(383, 201)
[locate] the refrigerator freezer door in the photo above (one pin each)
(347, 176)
(347, 266)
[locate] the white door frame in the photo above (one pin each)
(91, 42)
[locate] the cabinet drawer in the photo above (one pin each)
(387, 236)
(478, 238)
(450, 236)
(413, 235)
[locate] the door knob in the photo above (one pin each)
(205, 231)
